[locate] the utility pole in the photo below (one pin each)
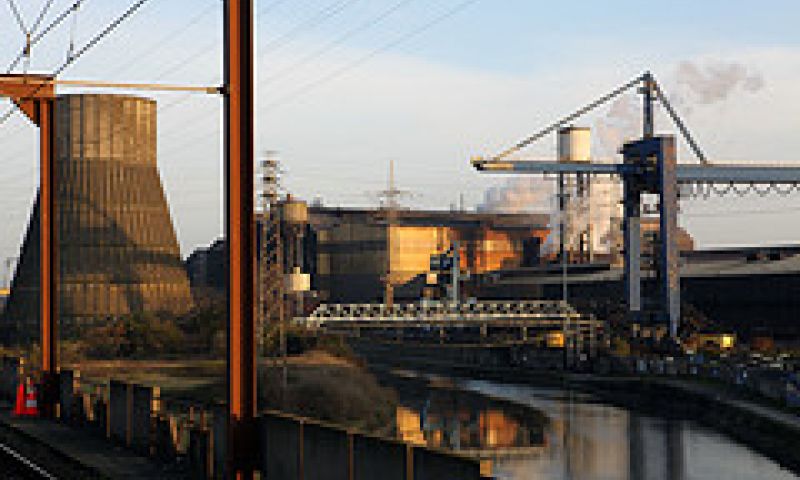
(239, 129)
(271, 271)
(562, 233)
(390, 196)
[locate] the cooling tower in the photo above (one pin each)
(118, 253)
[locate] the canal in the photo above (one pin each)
(522, 432)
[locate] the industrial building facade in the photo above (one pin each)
(352, 246)
(118, 252)
(345, 249)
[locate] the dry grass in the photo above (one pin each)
(320, 386)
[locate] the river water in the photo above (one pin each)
(532, 433)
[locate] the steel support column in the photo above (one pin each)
(34, 95)
(668, 216)
(48, 283)
(240, 235)
(632, 232)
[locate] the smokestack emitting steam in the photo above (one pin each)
(706, 84)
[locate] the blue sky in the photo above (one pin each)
(473, 83)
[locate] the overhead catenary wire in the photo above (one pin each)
(338, 40)
(349, 66)
(172, 34)
(320, 17)
(88, 46)
(100, 36)
(42, 13)
(372, 54)
(39, 36)
(17, 16)
(285, 38)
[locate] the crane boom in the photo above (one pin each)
(715, 173)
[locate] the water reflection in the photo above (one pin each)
(565, 436)
(451, 418)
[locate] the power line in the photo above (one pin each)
(88, 46)
(39, 36)
(17, 16)
(42, 13)
(170, 36)
(389, 45)
(100, 36)
(339, 40)
(316, 54)
(320, 17)
(327, 12)
(372, 54)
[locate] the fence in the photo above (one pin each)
(290, 448)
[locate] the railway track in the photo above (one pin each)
(14, 466)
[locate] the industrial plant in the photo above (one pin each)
(269, 321)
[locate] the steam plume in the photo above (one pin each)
(716, 82)
(518, 195)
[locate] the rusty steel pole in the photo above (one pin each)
(240, 234)
(34, 95)
(49, 253)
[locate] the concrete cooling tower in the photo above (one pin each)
(118, 253)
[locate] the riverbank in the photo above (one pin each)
(767, 430)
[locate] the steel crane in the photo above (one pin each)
(649, 166)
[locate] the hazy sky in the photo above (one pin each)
(346, 85)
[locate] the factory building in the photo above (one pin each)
(118, 252)
(357, 248)
(345, 249)
(718, 283)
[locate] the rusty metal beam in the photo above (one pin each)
(35, 96)
(48, 290)
(240, 234)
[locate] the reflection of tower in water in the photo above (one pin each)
(603, 442)
(656, 449)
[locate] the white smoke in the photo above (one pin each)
(621, 123)
(518, 195)
(715, 82)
